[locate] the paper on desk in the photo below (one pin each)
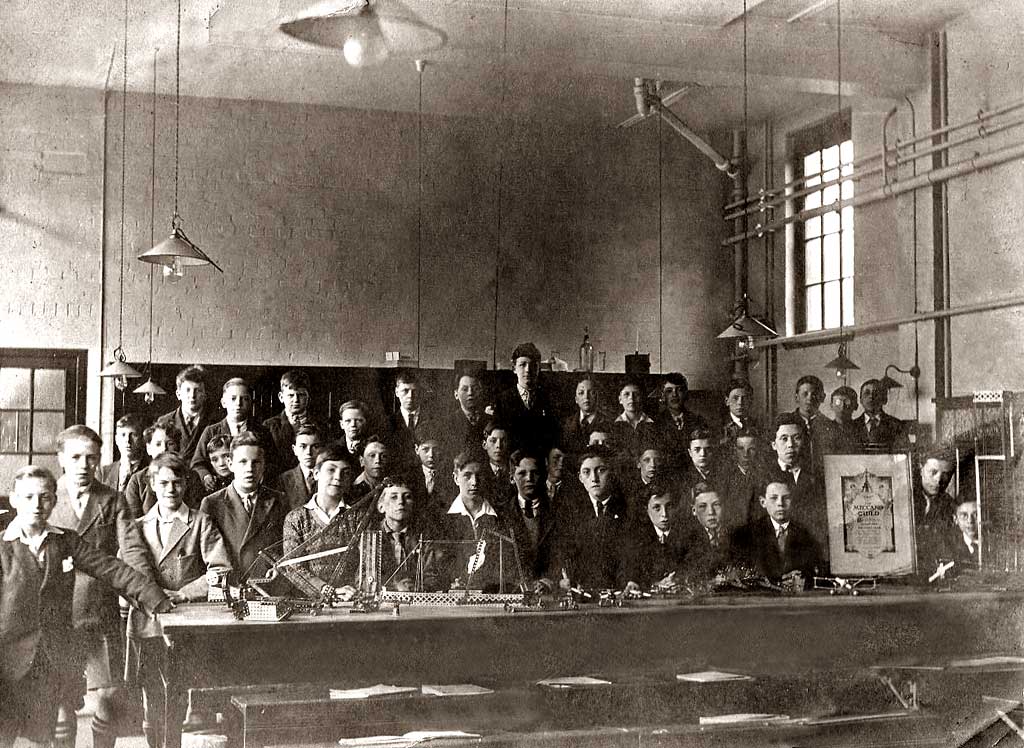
(728, 719)
(364, 693)
(456, 689)
(711, 676)
(410, 738)
(988, 661)
(573, 680)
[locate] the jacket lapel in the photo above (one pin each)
(178, 531)
(92, 510)
(261, 508)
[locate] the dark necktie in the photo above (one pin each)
(309, 484)
(528, 509)
(781, 539)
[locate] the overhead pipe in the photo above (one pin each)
(931, 177)
(672, 119)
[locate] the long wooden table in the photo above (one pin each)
(769, 636)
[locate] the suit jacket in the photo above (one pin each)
(431, 505)
(282, 433)
(402, 439)
(629, 440)
(890, 435)
(933, 523)
(591, 550)
(201, 458)
(461, 432)
(109, 475)
(701, 558)
(499, 555)
(245, 536)
(650, 560)
(36, 599)
(574, 436)
(189, 437)
(139, 497)
(956, 550)
(739, 495)
(676, 440)
(819, 434)
(534, 535)
(103, 525)
(808, 497)
(427, 562)
(292, 484)
(534, 428)
(802, 551)
(730, 430)
(840, 440)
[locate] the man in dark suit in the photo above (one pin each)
(526, 408)
(806, 487)
(879, 430)
(531, 504)
(656, 549)
(249, 515)
(739, 399)
(676, 422)
(236, 399)
(190, 417)
(353, 416)
(963, 542)
(410, 419)
(575, 433)
(131, 454)
(781, 548)
(294, 396)
(739, 479)
(710, 539)
(933, 506)
(298, 484)
(844, 434)
(809, 395)
(466, 424)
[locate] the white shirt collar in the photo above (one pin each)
(662, 534)
(735, 420)
(181, 513)
(776, 525)
(15, 531)
(644, 418)
(794, 469)
(459, 507)
(323, 516)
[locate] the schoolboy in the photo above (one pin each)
(428, 481)
(294, 396)
(790, 465)
(739, 480)
(739, 401)
(497, 444)
(532, 510)
(190, 417)
(808, 396)
(649, 468)
(180, 549)
(711, 540)
(353, 417)
(844, 435)
(375, 460)
(632, 427)
(587, 417)
(963, 541)
(297, 483)
(656, 548)
(469, 420)
(411, 419)
(879, 430)
(40, 562)
(781, 548)
(131, 454)
(219, 451)
(676, 422)
(408, 556)
(139, 495)
(526, 408)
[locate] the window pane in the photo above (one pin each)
(847, 254)
(831, 261)
(45, 427)
(848, 219)
(812, 262)
(830, 195)
(47, 461)
(848, 301)
(829, 175)
(832, 304)
(847, 191)
(812, 181)
(830, 223)
(49, 393)
(812, 201)
(813, 307)
(14, 426)
(830, 157)
(812, 227)
(9, 465)
(846, 151)
(812, 163)
(14, 390)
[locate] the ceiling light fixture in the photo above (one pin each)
(365, 36)
(119, 369)
(841, 363)
(177, 252)
(891, 384)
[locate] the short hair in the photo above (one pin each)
(235, 382)
(246, 439)
(424, 436)
(494, 425)
(844, 391)
(472, 373)
(219, 443)
(171, 461)
(394, 481)
(130, 421)
(746, 433)
(586, 378)
(528, 454)
(353, 405)
(170, 431)
(296, 379)
(739, 384)
(630, 382)
(78, 431)
(597, 451)
(35, 471)
(468, 456)
(308, 429)
(335, 453)
(762, 486)
(660, 487)
(812, 380)
(866, 382)
(649, 444)
(700, 434)
(373, 439)
(525, 350)
(676, 379)
(937, 451)
(195, 374)
(787, 419)
(702, 487)
(406, 376)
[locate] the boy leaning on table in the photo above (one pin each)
(39, 664)
(181, 550)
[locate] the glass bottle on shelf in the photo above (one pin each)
(586, 352)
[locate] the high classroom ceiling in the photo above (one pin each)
(555, 59)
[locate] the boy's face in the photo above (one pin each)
(408, 394)
(468, 393)
(471, 481)
(738, 402)
(630, 400)
(160, 443)
(306, 448)
(129, 442)
(353, 421)
(33, 500)
(169, 488)
(966, 517)
(247, 465)
(936, 475)
(79, 460)
(674, 396)
(843, 407)
(526, 370)
(220, 460)
(788, 443)
(294, 399)
(873, 396)
(192, 396)
(556, 464)
(650, 464)
(429, 453)
(586, 397)
(374, 460)
(333, 479)
(599, 438)
(746, 452)
(701, 452)
(396, 504)
(776, 501)
(496, 446)
(596, 477)
(808, 398)
(707, 508)
(527, 477)
(659, 511)
(237, 401)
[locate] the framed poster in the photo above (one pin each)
(870, 514)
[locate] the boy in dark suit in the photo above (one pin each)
(467, 423)
(294, 396)
(844, 435)
(739, 398)
(139, 496)
(807, 489)
(809, 395)
(650, 469)
(219, 451)
(740, 478)
(353, 417)
(656, 550)
(402, 528)
(190, 417)
(879, 430)
(249, 515)
(375, 460)
(710, 539)
(676, 422)
(933, 506)
(298, 484)
(526, 408)
(40, 665)
(781, 548)
(409, 420)
(131, 454)
(497, 444)
(587, 417)
(531, 504)
(963, 543)
(428, 481)
(179, 548)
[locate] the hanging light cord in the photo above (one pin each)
(152, 212)
(419, 210)
(743, 156)
(177, 112)
(839, 159)
(501, 169)
(661, 294)
(124, 152)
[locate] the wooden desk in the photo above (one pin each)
(814, 632)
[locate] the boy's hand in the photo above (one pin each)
(209, 482)
(165, 606)
(345, 593)
(175, 597)
(668, 582)
(632, 589)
